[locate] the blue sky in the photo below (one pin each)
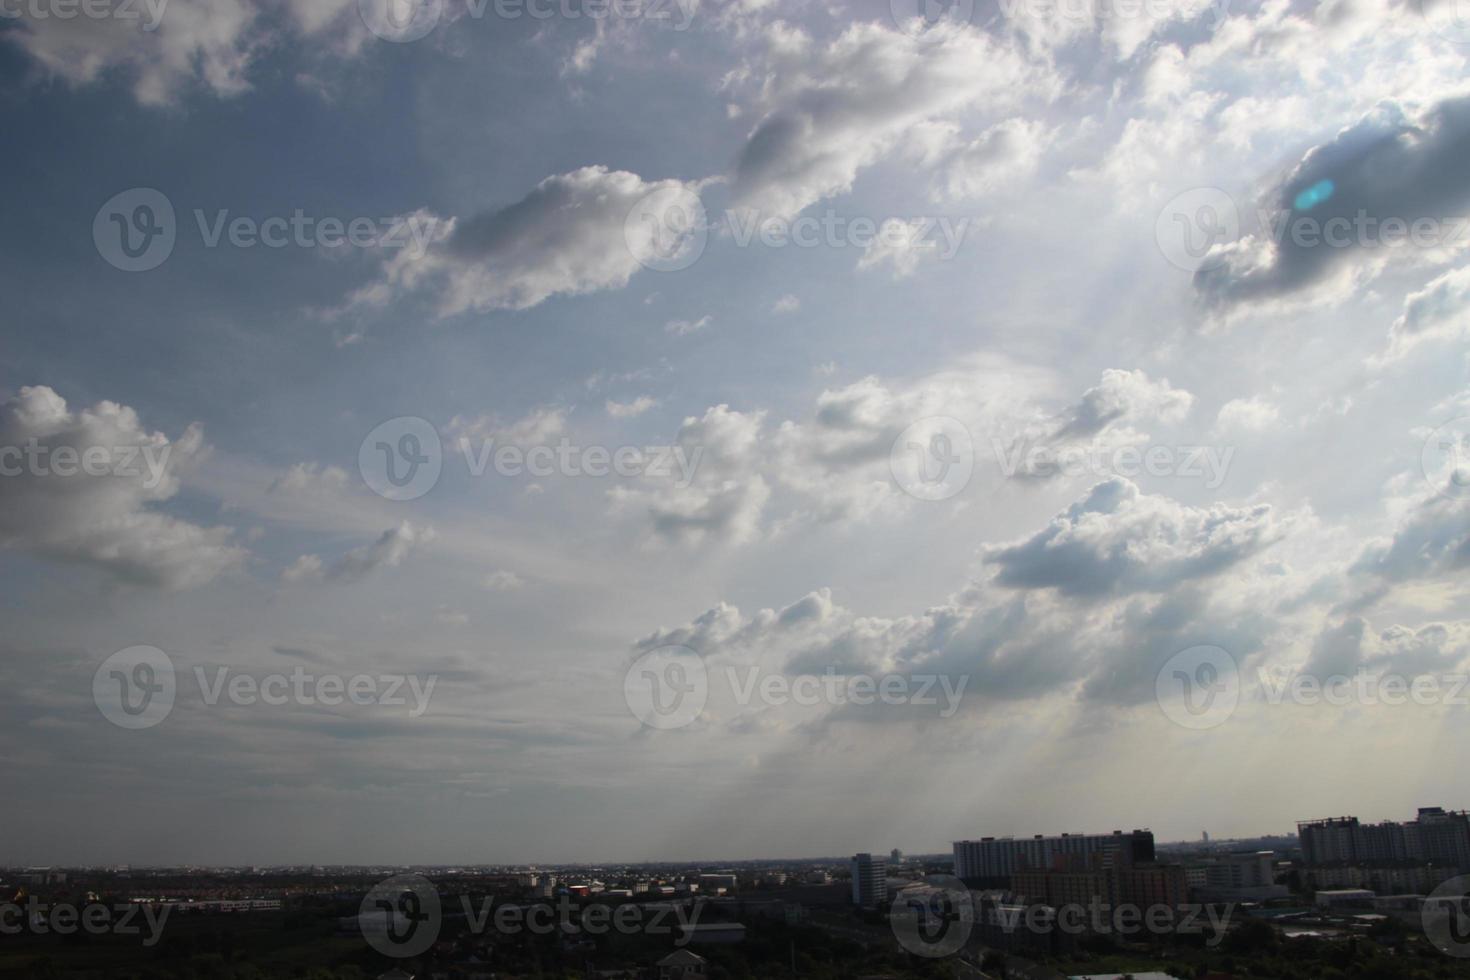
(1064, 147)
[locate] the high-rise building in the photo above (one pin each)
(1436, 836)
(993, 860)
(869, 881)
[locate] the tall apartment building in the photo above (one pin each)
(1148, 886)
(993, 860)
(869, 881)
(1140, 886)
(1436, 836)
(1249, 875)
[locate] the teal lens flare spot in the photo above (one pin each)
(1317, 194)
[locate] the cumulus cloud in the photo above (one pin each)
(1384, 188)
(998, 158)
(722, 631)
(83, 486)
(1431, 542)
(1351, 646)
(836, 464)
(832, 111)
(1102, 418)
(1439, 311)
(571, 235)
(162, 49)
(535, 428)
(632, 409)
(1039, 634)
(1119, 540)
(680, 328)
(388, 551)
(725, 498)
(502, 581)
(1254, 414)
(312, 478)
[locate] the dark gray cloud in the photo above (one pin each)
(1395, 163)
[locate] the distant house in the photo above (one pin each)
(681, 964)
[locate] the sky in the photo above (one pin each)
(614, 397)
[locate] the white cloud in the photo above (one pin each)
(1118, 540)
(569, 236)
(1001, 157)
(632, 409)
(535, 428)
(388, 551)
(167, 48)
(831, 112)
(680, 328)
(1439, 311)
(102, 513)
(1254, 414)
(503, 581)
